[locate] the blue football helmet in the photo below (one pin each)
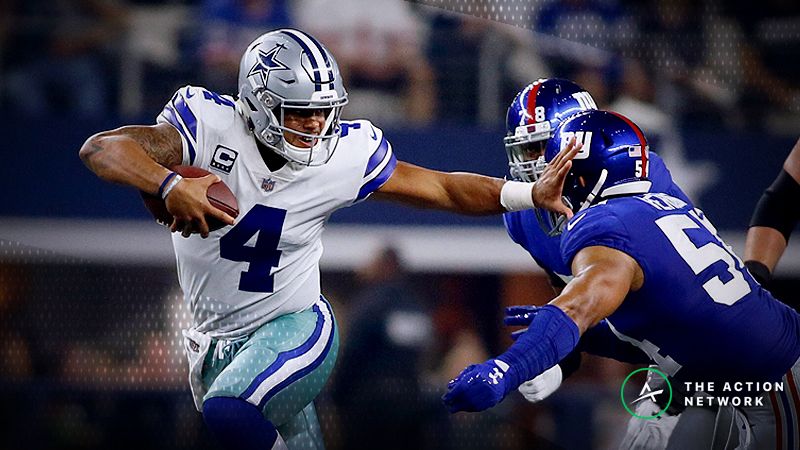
(533, 117)
(614, 161)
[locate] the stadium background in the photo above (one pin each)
(90, 310)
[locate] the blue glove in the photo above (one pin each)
(478, 387)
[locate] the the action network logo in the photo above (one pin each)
(653, 389)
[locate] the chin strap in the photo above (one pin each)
(595, 190)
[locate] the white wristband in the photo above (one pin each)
(172, 183)
(516, 196)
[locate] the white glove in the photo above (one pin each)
(542, 386)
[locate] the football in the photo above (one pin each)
(219, 195)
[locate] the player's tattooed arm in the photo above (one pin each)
(134, 155)
(161, 142)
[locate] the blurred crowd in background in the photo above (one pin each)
(91, 353)
(711, 63)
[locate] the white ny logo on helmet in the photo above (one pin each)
(581, 137)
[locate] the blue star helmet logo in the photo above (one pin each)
(267, 62)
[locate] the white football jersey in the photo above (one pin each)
(267, 264)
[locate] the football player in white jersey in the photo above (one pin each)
(264, 340)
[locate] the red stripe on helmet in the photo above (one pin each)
(642, 142)
(531, 105)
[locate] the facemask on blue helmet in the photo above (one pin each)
(532, 119)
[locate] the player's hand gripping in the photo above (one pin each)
(478, 387)
(547, 189)
(188, 203)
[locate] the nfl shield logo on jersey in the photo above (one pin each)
(267, 184)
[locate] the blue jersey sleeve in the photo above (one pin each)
(662, 179)
(597, 226)
(524, 229)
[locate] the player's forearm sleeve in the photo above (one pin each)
(778, 206)
(551, 336)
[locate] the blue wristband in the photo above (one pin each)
(551, 336)
(164, 183)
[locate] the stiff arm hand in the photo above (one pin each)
(548, 188)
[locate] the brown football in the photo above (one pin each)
(219, 195)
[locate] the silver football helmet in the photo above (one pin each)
(289, 69)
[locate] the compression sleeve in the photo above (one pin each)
(777, 208)
(551, 336)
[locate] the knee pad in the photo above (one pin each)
(238, 424)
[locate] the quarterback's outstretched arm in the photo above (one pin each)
(603, 277)
(469, 193)
(138, 156)
(773, 220)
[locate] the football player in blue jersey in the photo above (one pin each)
(264, 340)
(532, 118)
(654, 271)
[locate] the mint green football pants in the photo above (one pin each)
(280, 368)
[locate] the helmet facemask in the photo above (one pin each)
(272, 136)
(524, 150)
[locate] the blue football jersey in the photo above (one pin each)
(524, 229)
(699, 314)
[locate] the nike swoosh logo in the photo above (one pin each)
(286, 81)
(571, 224)
(189, 93)
(374, 134)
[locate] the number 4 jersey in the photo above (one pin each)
(699, 314)
(267, 264)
